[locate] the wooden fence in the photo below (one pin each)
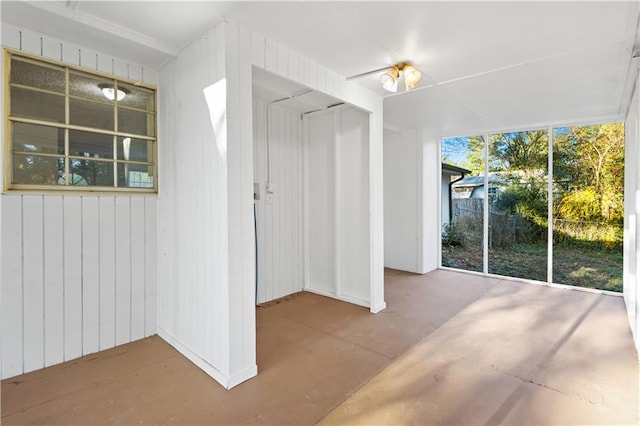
(504, 229)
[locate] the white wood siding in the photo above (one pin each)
(35, 43)
(60, 298)
(402, 209)
(78, 271)
(631, 283)
(321, 208)
(279, 214)
(337, 188)
(207, 274)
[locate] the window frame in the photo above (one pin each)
(151, 138)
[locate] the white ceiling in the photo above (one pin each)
(486, 65)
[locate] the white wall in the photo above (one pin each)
(78, 272)
(402, 207)
(286, 63)
(279, 214)
(337, 205)
(430, 197)
(207, 282)
(631, 283)
(78, 276)
(412, 200)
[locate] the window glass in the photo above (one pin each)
(35, 138)
(136, 122)
(32, 104)
(135, 149)
(88, 87)
(517, 193)
(89, 144)
(37, 169)
(41, 77)
(135, 175)
(137, 97)
(91, 114)
(91, 172)
(588, 205)
(462, 203)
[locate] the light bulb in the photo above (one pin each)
(411, 76)
(390, 79)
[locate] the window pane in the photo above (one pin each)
(34, 138)
(137, 97)
(91, 172)
(588, 176)
(136, 122)
(88, 87)
(32, 104)
(33, 75)
(91, 114)
(518, 173)
(135, 149)
(37, 170)
(462, 207)
(88, 144)
(135, 175)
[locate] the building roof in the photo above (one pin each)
(472, 181)
(455, 169)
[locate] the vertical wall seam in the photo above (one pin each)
(44, 292)
(82, 273)
(144, 269)
(64, 288)
(115, 275)
(99, 267)
(130, 274)
(22, 273)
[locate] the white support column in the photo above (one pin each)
(241, 288)
(376, 206)
(206, 287)
(631, 277)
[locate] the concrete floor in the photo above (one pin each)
(451, 348)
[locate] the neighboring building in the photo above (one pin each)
(473, 186)
(450, 175)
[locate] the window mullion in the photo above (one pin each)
(550, 206)
(116, 127)
(67, 120)
(485, 209)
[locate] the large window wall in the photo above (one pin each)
(516, 184)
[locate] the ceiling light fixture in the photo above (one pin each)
(407, 72)
(392, 76)
(110, 92)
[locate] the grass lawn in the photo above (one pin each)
(577, 266)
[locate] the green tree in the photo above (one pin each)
(522, 153)
(589, 168)
(475, 155)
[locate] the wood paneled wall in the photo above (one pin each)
(279, 214)
(78, 276)
(631, 265)
(207, 251)
(78, 271)
(337, 205)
